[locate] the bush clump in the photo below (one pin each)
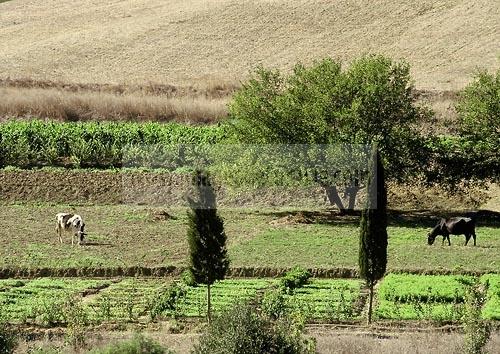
(243, 330)
(274, 303)
(8, 340)
(168, 301)
(137, 345)
(295, 278)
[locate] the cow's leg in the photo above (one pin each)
(467, 238)
(474, 237)
(73, 239)
(448, 237)
(59, 233)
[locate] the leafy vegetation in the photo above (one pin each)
(243, 330)
(405, 296)
(138, 344)
(42, 301)
(103, 145)
(325, 299)
(477, 331)
(225, 294)
(295, 278)
(479, 108)
(369, 102)
(491, 308)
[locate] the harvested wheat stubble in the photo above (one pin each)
(195, 41)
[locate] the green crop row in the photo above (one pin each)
(224, 294)
(432, 297)
(408, 288)
(325, 299)
(491, 309)
(53, 301)
(42, 301)
(99, 144)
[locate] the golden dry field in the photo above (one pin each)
(194, 42)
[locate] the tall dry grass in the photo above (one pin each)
(83, 105)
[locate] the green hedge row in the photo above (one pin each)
(37, 143)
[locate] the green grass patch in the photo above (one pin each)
(127, 235)
(329, 246)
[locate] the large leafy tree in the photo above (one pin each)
(371, 101)
(206, 236)
(373, 227)
(472, 157)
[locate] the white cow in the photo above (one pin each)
(73, 223)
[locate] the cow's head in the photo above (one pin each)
(431, 238)
(81, 232)
(436, 231)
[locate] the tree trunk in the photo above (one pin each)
(334, 198)
(209, 314)
(370, 304)
(352, 192)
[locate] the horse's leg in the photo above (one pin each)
(467, 238)
(474, 236)
(448, 237)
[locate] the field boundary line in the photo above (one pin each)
(235, 272)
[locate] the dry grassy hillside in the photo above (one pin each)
(185, 42)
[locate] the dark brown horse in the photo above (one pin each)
(453, 226)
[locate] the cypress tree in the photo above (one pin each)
(206, 236)
(373, 226)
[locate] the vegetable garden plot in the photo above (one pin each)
(422, 297)
(223, 295)
(126, 300)
(41, 301)
(491, 309)
(327, 299)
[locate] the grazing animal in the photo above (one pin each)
(453, 226)
(73, 223)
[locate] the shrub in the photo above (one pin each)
(477, 331)
(137, 345)
(243, 330)
(478, 107)
(273, 303)
(187, 277)
(8, 340)
(295, 278)
(168, 301)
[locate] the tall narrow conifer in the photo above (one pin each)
(206, 236)
(373, 226)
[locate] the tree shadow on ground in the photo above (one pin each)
(402, 218)
(96, 244)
